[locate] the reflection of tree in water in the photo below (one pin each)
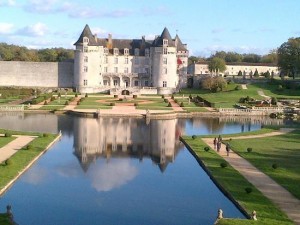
(213, 124)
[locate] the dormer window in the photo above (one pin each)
(85, 40)
(147, 52)
(136, 52)
(106, 51)
(165, 42)
(126, 51)
(116, 51)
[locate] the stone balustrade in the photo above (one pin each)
(11, 108)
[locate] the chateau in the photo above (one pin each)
(129, 66)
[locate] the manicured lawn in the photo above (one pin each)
(52, 107)
(23, 157)
(273, 91)
(5, 140)
(283, 150)
(93, 107)
(235, 184)
(195, 109)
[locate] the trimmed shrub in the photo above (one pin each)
(112, 104)
(194, 136)
(134, 96)
(206, 149)
(59, 94)
(8, 162)
(76, 95)
(223, 164)
(166, 100)
(45, 135)
(67, 103)
(7, 134)
(28, 147)
(249, 150)
(181, 104)
(52, 98)
(136, 104)
(45, 103)
(78, 103)
(163, 96)
(248, 190)
(190, 96)
(274, 166)
(238, 87)
(86, 95)
(176, 101)
(45, 97)
(280, 87)
(172, 97)
(120, 99)
(116, 96)
(169, 105)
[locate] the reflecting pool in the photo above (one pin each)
(118, 171)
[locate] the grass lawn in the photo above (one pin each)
(4, 219)
(283, 150)
(5, 140)
(195, 109)
(52, 107)
(272, 90)
(23, 157)
(234, 183)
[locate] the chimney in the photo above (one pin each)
(109, 42)
(96, 39)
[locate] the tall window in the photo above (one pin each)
(105, 59)
(164, 83)
(165, 70)
(136, 83)
(126, 51)
(105, 69)
(105, 50)
(116, 60)
(85, 49)
(146, 83)
(147, 52)
(85, 82)
(126, 70)
(85, 40)
(116, 51)
(136, 60)
(116, 69)
(165, 51)
(115, 82)
(126, 60)
(85, 69)
(165, 42)
(165, 60)
(86, 59)
(147, 61)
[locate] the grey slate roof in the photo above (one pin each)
(180, 46)
(158, 42)
(86, 33)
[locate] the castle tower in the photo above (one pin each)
(87, 58)
(164, 63)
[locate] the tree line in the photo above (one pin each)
(20, 53)
(234, 57)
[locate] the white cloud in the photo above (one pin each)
(114, 174)
(8, 3)
(6, 28)
(40, 6)
(36, 175)
(38, 29)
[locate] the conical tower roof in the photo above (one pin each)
(180, 46)
(86, 33)
(158, 42)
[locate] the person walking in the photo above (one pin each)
(227, 148)
(215, 143)
(220, 138)
(219, 143)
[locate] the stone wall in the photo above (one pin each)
(36, 74)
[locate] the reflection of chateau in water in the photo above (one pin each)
(126, 137)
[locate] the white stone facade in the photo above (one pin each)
(232, 69)
(131, 66)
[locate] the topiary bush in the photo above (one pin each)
(206, 148)
(249, 150)
(7, 134)
(45, 103)
(67, 103)
(166, 100)
(52, 98)
(76, 95)
(8, 162)
(169, 105)
(116, 96)
(28, 147)
(274, 166)
(163, 96)
(59, 94)
(181, 104)
(223, 164)
(134, 96)
(136, 104)
(172, 97)
(248, 190)
(86, 95)
(176, 101)
(194, 136)
(112, 104)
(45, 135)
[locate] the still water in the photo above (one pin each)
(118, 171)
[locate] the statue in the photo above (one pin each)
(220, 214)
(253, 216)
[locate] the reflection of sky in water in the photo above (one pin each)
(114, 174)
(120, 190)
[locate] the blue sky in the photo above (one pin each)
(244, 26)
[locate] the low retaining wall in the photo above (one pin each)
(11, 108)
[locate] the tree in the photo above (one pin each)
(289, 57)
(214, 83)
(272, 57)
(240, 73)
(217, 65)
